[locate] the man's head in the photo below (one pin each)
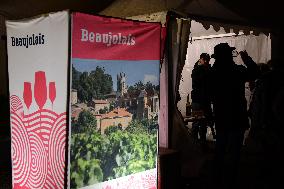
(223, 51)
(204, 58)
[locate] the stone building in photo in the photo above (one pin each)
(98, 105)
(116, 117)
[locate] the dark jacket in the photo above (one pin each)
(228, 93)
(200, 84)
(267, 106)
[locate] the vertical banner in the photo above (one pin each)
(38, 68)
(114, 102)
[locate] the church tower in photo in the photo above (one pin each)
(121, 85)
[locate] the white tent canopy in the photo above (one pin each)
(201, 28)
(203, 40)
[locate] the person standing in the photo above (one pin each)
(201, 101)
(267, 115)
(230, 107)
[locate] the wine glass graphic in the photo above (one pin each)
(52, 92)
(27, 95)
(40, 90)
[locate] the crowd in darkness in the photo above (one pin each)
(218, 92)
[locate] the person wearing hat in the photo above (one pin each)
(230, 107)
(201, 103)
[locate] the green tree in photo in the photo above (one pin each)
(93, 85)
(85, 92)
(117, 153)
(139, 86)
(136, 154)
(101, 82)
(104, 110)
(85, 172)
(112, 129)
(111, 106)
(75, 78)
(149, 86)
(86, 123)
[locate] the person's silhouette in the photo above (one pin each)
(230, 107)
(201, 98)
(267, 130)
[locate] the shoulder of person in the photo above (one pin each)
(196, 64)
(198, 68)
(240, 67)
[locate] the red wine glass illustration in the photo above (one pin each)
(40, 90)
(27, 95)
(52, 92)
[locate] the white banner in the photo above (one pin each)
(38, 69)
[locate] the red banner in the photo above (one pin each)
(114, 39)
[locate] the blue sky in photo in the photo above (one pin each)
(144, 70)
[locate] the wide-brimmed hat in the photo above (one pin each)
(221, 49)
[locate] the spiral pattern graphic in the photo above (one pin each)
(21, 153)
(38, 147)
(57, 150)
(38, 164)
(15, 103)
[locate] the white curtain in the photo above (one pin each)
(258, 47)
